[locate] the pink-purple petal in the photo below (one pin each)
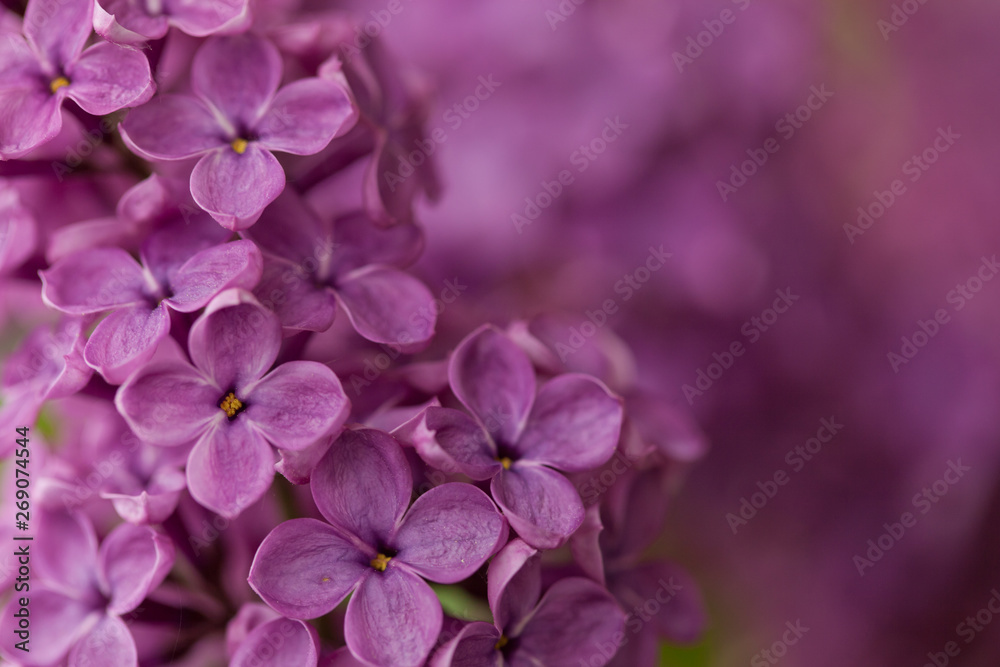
(363, 485)
(235, 341)
(58, 29)
(106, 78)
(127, 22)
(29, 117)
(299, 303)
(449, 532)
(304, 568)
(168, 403)
(305, 115)
(236, 264)
(234, 188)
(200, 18)
(172, 127)
(230, 468)
(473, 646)
(387, 305)
(299, 645)
(91, 281)
(576, 620)
(133, 561)
(494, 379)
(238, 75)
(393, 619)
(73, 564)
(297, 404)
(574, 424)
(57, 621)
(125, 340)
(109, 644)
(514, 583)
(541, 505)
(445, 437)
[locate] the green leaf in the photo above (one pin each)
(459, 603)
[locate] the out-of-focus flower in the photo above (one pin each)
(378, 546)
(135, 21)
(230, 406)
(49, 63)
(235, 119)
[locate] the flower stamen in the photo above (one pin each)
(380, 562)
(58, 82)
(240, 145)
(501, 642)
(505, 462)
(231, 405)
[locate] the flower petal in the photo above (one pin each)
(107, 78)
(541, 505)
(168, 403)
(125, 340)
(230, 468)
(297, 404)
(235, 340)
(57, 622)
(298, 302)
(449, 532)
(73, 563)
(363, 485)
(109, 644)
(199, 18)
(574, 424)
(387, 305)
(298, 645)
(473, 646)
(127, 22)
(393, 619)
(18, 229)
(494, 379)
(29, 117)
(305, 116)
(58, 29)
(238, 75)
(304, 568)
(236, 264)
(575, 620)
(172, 127)
(234, 188)
(134, 560)
(514, 583)
(450, 438)
(682, 617)
(91, 281)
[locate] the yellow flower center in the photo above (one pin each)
(231, 405)
(505, 462)
(240, 145)
(501, 642)
(58, 82)
(380, 562)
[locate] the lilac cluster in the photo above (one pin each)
(200, 250)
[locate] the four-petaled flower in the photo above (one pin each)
(48, 64)
(230, 406)
(376, 547)
(235, 118)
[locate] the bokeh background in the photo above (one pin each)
(901, 75)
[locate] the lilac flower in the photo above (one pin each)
(376, 547)
(178, 272)
(132, 21)
(575, 622)
(81, 592)
(312, 266)
(235, 119)
(48, 64)
(230, 406)
(519, 439)
(49, 364)
(258, 637)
